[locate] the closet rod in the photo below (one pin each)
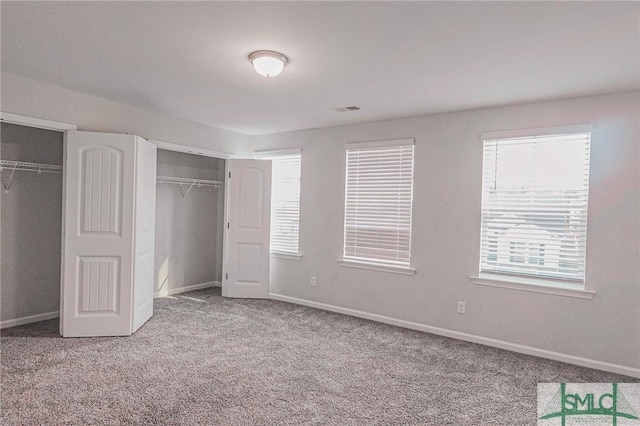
(188, 181)
(30, 167)
(25, 167)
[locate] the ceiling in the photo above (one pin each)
(392, 59)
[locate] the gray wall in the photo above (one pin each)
(40, 100)
(31, 220)
(188, 230)
(446, 231)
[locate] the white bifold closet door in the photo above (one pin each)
(108, 234)
(246, 270)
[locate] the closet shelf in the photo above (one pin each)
(25, 167)
(30, 167)
(190, 182)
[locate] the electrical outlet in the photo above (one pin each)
(461, 307)
(313, 281)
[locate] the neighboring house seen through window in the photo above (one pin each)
(534, 206)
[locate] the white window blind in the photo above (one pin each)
(378, 200)
(285, 202)
(534, 206)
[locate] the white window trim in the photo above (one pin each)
(361, 264)
(532, 285)
(376, 267)
(269, 155)
(545, 131)
(379, 144)
(544, 285)
(286, 256)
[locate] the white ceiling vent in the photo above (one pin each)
(349, 108)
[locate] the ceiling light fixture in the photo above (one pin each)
(268, 63)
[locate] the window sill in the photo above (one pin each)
(287, 256)
(374, 267)
(533, 285)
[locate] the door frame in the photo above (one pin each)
(189, 149)
(23, 120)
(39, 123)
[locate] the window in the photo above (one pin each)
(516, 252)
(536, 253)
(534, 206)
(285, 200)
(492, 255)
(378, 202)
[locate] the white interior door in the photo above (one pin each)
(246, 271)
(144, 234)
(98, 226)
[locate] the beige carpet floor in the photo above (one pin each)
(206, 360)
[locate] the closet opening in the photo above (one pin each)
(31, 161)
(190, 203)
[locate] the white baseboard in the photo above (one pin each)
(185, 289)
(28, 320)
(50, 315)
(514, 347)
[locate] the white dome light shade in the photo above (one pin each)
(268, 63)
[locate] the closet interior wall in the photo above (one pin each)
(31, 223)
(189, 224)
